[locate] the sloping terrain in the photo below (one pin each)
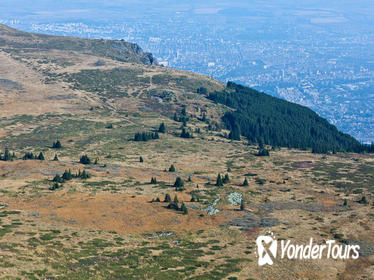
(114, 223)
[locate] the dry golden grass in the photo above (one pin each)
(117, 196)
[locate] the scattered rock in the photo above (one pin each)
(234, 198)
(162, 234)
(211, 210)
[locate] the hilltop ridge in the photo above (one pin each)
(114, 49)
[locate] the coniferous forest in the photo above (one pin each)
(266, 119)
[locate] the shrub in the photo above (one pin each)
(58, 179)
(55, 186)
(40, 156)
(363, 200)
(173, 206)
(85, 159)
(172, 168)
(162, 128)
(57, 145)
(28, 155)
(179, 183)
(145, 136)
(263, 153)
(186, 134)
(7, 156)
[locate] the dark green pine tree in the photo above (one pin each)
(153, 180)
(57, 145)
(162, 128)
(363, 200)
(219, 181)
(179, 183)
(245, 183)
(55, 158)
(85, 159)
(167, 198)
(242, 205)
(41, 156)
(82, 175)
(184, 112)
(184, 209)
(226, 179)
(141, 159)
(235, 132)
(67, 175)
(185, 134)
(28, 155)
(173, 206)
(176, 201)
(263, 153)
(261, 143)
(172, 168)
(57, 179)
(85, 175)
(7, 155)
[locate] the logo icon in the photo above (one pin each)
(267, 249)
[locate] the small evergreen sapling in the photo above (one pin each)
(184, 209)
(219, 181)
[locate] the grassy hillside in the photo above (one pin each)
(147, 207)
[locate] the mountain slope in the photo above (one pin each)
(273, 121)
(105, 203)
(116, 74)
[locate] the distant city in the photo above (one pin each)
(322, 59)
